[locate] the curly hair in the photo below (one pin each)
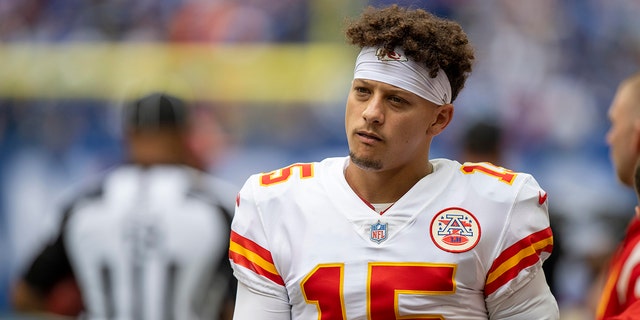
(424, 37)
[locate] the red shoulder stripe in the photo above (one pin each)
(516, 258)
(251, 246)
(252, 256)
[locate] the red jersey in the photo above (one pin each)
(622, 288)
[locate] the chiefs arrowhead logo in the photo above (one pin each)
(390, 56)
(542, 197)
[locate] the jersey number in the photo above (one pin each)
(281, 175)
(386, 281)
(504, 175)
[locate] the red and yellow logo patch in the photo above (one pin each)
(455, 230)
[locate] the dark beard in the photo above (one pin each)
(365, 163)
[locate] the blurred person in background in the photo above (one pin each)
(482, 142)
(633, 310)
(629, 244)
(148, 240)
(622, 280)
(387, 233)
(219, 21)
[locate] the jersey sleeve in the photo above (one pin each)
(526, 243)
(533, 301)
(249, 251)
(252, 305)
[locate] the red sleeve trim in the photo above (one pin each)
(516, 258)
(252, 256)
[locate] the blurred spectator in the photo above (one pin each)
(219, 21)
(482, 142)
(148, 239)
(622, 281)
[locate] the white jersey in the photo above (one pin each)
(152, 244)
(455, 246)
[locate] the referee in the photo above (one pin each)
(148, 241)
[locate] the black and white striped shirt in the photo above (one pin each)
(146, 243)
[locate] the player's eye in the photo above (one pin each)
(361, 90)
(397, 100)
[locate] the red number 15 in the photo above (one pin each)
(386, 280)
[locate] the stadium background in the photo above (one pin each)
(270, 78)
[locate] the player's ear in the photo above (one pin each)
(444, 114)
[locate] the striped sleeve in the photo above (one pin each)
(527, 241)
(519, 256)
(248, 254)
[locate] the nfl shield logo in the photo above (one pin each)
(379, 232)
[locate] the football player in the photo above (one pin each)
(620, 297)
(387, 232)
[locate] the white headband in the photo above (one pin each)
(396, 69)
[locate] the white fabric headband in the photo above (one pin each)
(396, 69)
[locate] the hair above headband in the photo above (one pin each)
(396, 69)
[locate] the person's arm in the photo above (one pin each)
(32, 289)
(516, 286)
(251, 305)
(63, 299)
(25, 299)
(261, 291)
(48, 285)
(533, 301)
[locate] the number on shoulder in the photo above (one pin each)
(281, 175)
(504, 175)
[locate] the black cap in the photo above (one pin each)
(154, 111)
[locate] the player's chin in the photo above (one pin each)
(365, 162)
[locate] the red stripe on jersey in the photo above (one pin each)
(252, 256)
(251, 246)
(516, 258)
(610, 303)
(633, 280)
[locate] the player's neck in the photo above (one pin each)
(384, 186)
